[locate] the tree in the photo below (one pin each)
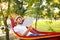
(18, 7)
(35, 8)
(43, 9)
(5, 17)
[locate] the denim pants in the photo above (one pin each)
(33, 35)
(37, 35)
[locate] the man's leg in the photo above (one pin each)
(33, 35)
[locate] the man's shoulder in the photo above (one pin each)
(16, 26)
(19, 26)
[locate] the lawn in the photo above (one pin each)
(45, 26)
(11, 37)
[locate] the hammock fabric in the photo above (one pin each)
(48, 35)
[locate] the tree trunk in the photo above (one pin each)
(36, 23)
(7, 34)
(6, 28)
(36, 20)
(5, 22)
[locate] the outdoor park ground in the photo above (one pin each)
(46, 25)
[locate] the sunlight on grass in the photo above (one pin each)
(44, 26)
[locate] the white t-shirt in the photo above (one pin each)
(21, 29)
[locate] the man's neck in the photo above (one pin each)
(19, 23)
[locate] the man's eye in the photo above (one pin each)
(19, 19)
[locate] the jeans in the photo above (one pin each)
(33, 35)
(37, 35)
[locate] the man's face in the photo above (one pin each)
(19, 20)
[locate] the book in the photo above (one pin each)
(28, 21)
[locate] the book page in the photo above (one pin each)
(28, 21)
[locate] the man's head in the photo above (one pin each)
(19, 20)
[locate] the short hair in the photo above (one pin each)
(17, 18)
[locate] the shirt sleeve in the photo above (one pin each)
(20, 29)
(16, 29)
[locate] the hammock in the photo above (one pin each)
(48, 35)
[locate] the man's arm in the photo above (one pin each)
(24, 34)
(29, 29)
(18, 33)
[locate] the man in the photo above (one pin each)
(22, 30)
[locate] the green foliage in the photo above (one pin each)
(18, 7)
(2, 28)
(3, 0)
(56, 5)
(36, 9)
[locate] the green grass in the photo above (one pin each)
(2, 38)
(11, 37)
(44, 26)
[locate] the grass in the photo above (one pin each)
(46, 25)
(11, 37)
(2, 37)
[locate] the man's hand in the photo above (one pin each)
(30, 27)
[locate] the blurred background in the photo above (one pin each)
(46, 14)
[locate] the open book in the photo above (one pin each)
(28, 21)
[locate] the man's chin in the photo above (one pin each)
(20, 23)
